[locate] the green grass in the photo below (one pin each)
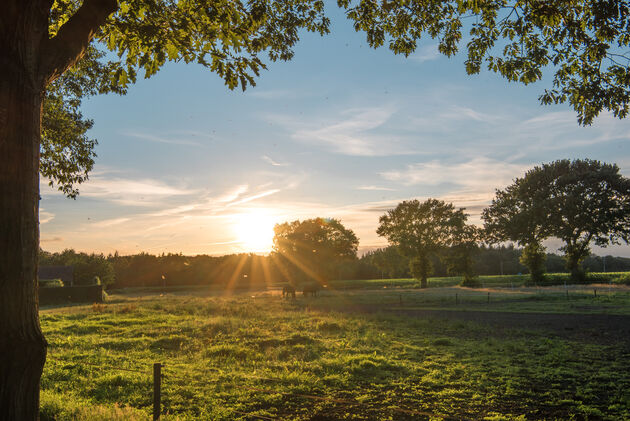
(224, 355)
(495, 281)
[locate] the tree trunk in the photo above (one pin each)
(22, 345)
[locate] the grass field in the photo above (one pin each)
(382, 352)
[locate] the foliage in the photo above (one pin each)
(250, 271)
(589, 201)
(87, 267)
(576, 201)
(389, 261)
(309, 250)
(50, 283)
(67, 154)
(533, 256)
(460, 256)
(623, 279)
(584, 42)
(420, 268)
(422, 230)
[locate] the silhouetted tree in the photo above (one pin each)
(310, 250)
(422, 230)
(519, 213)
(579, 202)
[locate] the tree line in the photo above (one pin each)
(146, 270)
(579, 202)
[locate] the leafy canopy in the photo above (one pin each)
(415, 226)
(312, 247)
(579, 202)
(584, 44)
(421, 230)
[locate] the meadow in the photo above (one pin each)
(378, 349)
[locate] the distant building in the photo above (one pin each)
(65, 273)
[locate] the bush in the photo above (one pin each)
(623, 279)
(471, 282)
(51, 283)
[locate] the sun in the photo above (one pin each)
(254, 231)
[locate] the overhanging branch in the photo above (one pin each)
(70, 43)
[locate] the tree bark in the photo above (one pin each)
(22, 345)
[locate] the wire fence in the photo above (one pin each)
(160, 377)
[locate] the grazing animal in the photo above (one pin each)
(288, 291)
(310, 289)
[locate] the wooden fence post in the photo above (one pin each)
(157, 383)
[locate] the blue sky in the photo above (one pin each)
(342, 130)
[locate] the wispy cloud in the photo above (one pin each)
(45, 217)
(355, 132)
(456, 112)
(425, 53)
(109, 222)
(129, 191)
(254, 197)
(233, 194)
(50, 239)
(176, 140)
(272, 94)
(480, 174)
(375, 188)
(274, 163)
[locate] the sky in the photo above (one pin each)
(342, 130)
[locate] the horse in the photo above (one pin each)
(310, 289)
(288, 291)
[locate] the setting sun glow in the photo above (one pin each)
(254, 231)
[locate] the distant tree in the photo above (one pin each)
(86, 266)
(459, 257)
(589, 203)
(580, 202)
(421, 231)
(389, 261)
(519, 213)
(309, 250)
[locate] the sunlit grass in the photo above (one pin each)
(216, 349)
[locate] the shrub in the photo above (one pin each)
(471, 282)
(51, 283)
(623, 279)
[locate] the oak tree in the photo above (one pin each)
(517, 214)
(589, 203)
(309, 250)
(422, 230)
(579, 202)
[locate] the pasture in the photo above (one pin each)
(373, 350)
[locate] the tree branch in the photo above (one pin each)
(73, 38)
